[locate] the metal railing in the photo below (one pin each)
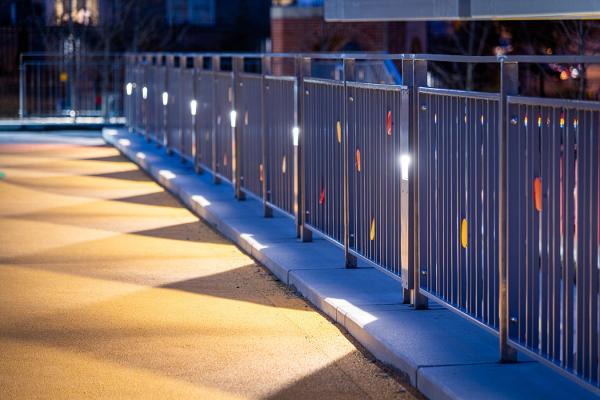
(81, 85)
(485, 202)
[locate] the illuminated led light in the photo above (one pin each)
(465, 118)
(140, 155)
(575, 123)
(193, 107)
(168, 175)
(435, 118)
(165, 98)
(562, 120)
(295, 135)
(405, 162)
(201, 200)
(539, 120)
(233, 118)
(525, 120)
(252, 241)
(129, 88)
(482, 119)
(144, 92)
(124, 142)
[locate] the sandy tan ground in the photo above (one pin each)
(110, 289)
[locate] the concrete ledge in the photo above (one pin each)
(443, 355)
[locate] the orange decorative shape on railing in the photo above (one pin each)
(357, 159)
(388, 123)
(464, 233)
(537, 194)
(372, 233)
(338, 129)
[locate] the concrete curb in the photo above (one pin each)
(443, 355)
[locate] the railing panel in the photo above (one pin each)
(250, 118)
(458, 181)
(157, 88)
(174, 108)
(280, 106)
(204, 118)
(187, 95)
(554, 230)
(323, 156)
(223, 131)
(378, 121)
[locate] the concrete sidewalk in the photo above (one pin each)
(444, 355)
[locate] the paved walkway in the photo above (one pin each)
(110, 288)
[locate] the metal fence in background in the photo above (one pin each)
(502, 191)
(82, 85)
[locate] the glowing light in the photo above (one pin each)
(564, 75)
(165, 98)
(539, 120)
(574, 73)
(144, 93)
(562, 120)
(124, 142)
(168, 175)
(72, 113)
(140, 155)
(129, 88)
(233, 118)
(193, 107)
(200, 200)
(482, 119)
(525, 120)
(575, 122)
(111, 132)
(405, 162)
(295, 135)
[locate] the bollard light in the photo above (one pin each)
(295, 135)
(144, 92)
(129, 88)
(233, 118)
(404, 165)
(165, 98)
(193, 107)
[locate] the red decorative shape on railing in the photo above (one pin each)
(389, 123)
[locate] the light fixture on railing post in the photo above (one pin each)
(144, 93)
(405, 162)
(233, 118)
(295, 135)
(165, 102)
(129, 88)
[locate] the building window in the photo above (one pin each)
(193, 12)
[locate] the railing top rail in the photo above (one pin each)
(378, 86)
(377, 56)
(324, 81)
(281, 78)
(552, 102)
(460, 93)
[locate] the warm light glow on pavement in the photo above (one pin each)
(109, 288)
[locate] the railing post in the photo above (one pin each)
(22, 76)
(216, 67)
(168, 62)
(509, 85)
(197, 142)
(183, 108)
(266, 68)
(236, 130)
(303, 68)
(414, 75)
(350, 260)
